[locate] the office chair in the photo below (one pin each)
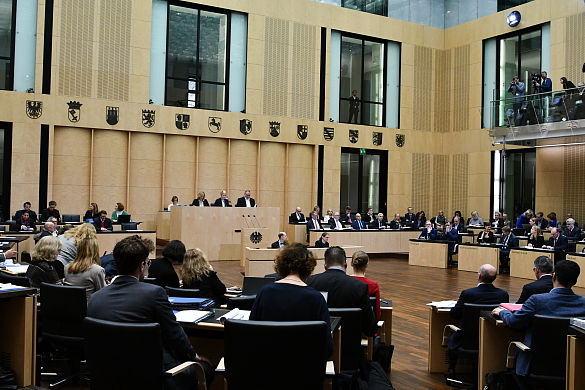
(25, 257)
(16, 280)
(469, 332)
(242, 303)
(183, 292)
(13, 226)
(63, 309)
(129, 226)
(351, 338)
(548, 352)
(65, 218)
(275, 355)
(136, 362)
(2, 228)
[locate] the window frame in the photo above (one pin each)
(10, 81)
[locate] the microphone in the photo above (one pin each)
(243, 216)
(257, 221)
(252, 221)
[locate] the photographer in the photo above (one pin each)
(545, 85)
(518, 89)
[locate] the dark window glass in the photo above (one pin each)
(506, 4)
(6, 41)
(377, 7)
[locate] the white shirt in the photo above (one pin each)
(248, 202)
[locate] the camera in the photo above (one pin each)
(535, 79)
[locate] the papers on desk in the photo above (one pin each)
(8, 237)
(442, 304)
(193, 316)
(233, 290)
(9, 287)
(235, 314)
(17, 268)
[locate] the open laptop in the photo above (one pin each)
(253, 284)
(124, 218)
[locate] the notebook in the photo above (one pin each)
(511, 306)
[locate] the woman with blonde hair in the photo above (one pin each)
(42, 268)
(359, 263)
(536, 239)
(200, 201)
(85, 270)
(198, 273)
(328, 216)
(71, 239)
(93, 212)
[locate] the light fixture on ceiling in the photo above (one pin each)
(514, 18)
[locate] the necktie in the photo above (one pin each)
(103, 224)
(555, 244)
(315, 223)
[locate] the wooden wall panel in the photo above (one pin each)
(331, 178)
(423, 84)
(575, 41)
(442, 95)
(421, 182)
(461, 88)
(243, 162)
(179, 174)
(25, 166)
(299, 178)
(71, 169)
(272, 176)
(574, 176)
(441, 175)
(276, 66)
(212, 161)
(304, 76)
(459, 185)
(110, 169)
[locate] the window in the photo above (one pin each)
(362, 71)
(6, 42)
(507, 4)
(378, 7)
(197, 58)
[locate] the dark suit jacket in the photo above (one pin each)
(128, 300)
(536, 241)
(511, 242)
(460, 227)
(484, 293)
(562, 243)
(319, 244)
(489, 238)
(293, 218)
(311, 225)
(344, 218)
(196, 202)
(346, 292)
(573, 235)
(242, 202)
(500, 223)
(452, 236)
(409, 217)
(428, 236)
(332, 223)
(541, 286)
(369, 218)
(31, 214)
(276, 244)
(395, 224)
(376, 224)
(44, 233)
(164, 272)
(543, 224)
(98, 224)
(359, 225)
(218, 202)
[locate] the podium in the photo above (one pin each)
(258, 238)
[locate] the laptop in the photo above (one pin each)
(253, 284)
(124, 218)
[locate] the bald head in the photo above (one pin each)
(487, 273)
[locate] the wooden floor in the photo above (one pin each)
(410, 288)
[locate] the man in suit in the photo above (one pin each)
(497, 222)
(396, 223)
(484, 293)
(335, 223)
(354, 107)
(50, 212)
(452, 235)
(379, 223)
(429, 232)
(282, 241)
(556, 241)
(358, 224)
(343, 290)
(313, 223)
(409, 216)
(103, 223)
(48, 230)
(222, 201)
(246, 200)
(560, 301)
(541, 222)
(543, 269)
(508, 240)
(572, 232)
(128, 300)
(31, 214)
(458, 225)
(297, 216)
(369, 217)
(347, 218)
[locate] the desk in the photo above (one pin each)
(437, 355)
(163, 225)
(107, 240)
(580, 246)
(428, 253)
(14, 240)
(522, 261)
(578, 258)
(473, 256)
(18, 346)
(297, 232)
(467, 237)
(575, 358)
(374, 240)
(386, 316)
(260, 262)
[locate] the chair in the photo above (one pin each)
(351, 338)
(25, 257)
(135, 364)
(243, 303)
(129, 226)
(269, 355)
(70, 218)
(16, 280)
(469, 329)
(13, 226)
(2, 228)
(183, 292)
(63, 309)
(149, 280)
(548, 352)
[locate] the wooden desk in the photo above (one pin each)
(297, 232)
(437, 354)
(374, 241)
(578, 258)
(575, 358)
(522, 261)
(163, 225)
(18, 344)
(467, 238)
(217, 230)
(386, 316)
(107, 240)
(12, 240)
(473, 256)
(580, 246)
(260, 262)
(428, 253)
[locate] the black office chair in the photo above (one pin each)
(351, 338)
(2, 228)
(548, 352)
(275, 355)
(469, 330)
(244, 303)
(183, 292)
(63, 309)
(129, 226)
(137, 364)
(25, 257)
(65, 218)
(13, 279)
(13, 226)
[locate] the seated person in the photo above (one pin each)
(174, 202)
(541, 222)
(222, 201)
(71, 239)
(25, 223)
(118, 210)
(440, 219)
(162, 268)
(556, 241)
(359, 263)
(48, 230)
(572, 232)
(536, 239)
(197, 273)
(552, 221)
(93, 212)
(497, 222)
(246, 200)
(103, 223)
(420, 220)
(297, 216)
(347, 218)
(85, 270)
(50, 212)
(317, 210)
(506, 221)
(290, 299)
(429, 232)
(487, 236)
(323, 242)
(379, 223)
(358, 224)
(452, 235)
(43, 258)
(200, 201)
(282, 241)
(335, 223)
(313, 222)
(26, 207)
(524, 219)
(369, 217)
(396, 223)
(458, 225)
(328, 216)
(508, 241)
(543, 268)
(475, 220)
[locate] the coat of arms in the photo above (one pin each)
(353, 136)
(112, 115)
(34, 109)
(400, 140)
(256, 237)
(302, 131)
(182, 121)
(74, 111)
(214, 124)
(328, 133)
(148, 118)
(274, 128)
(377, 138)
(245, 126)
